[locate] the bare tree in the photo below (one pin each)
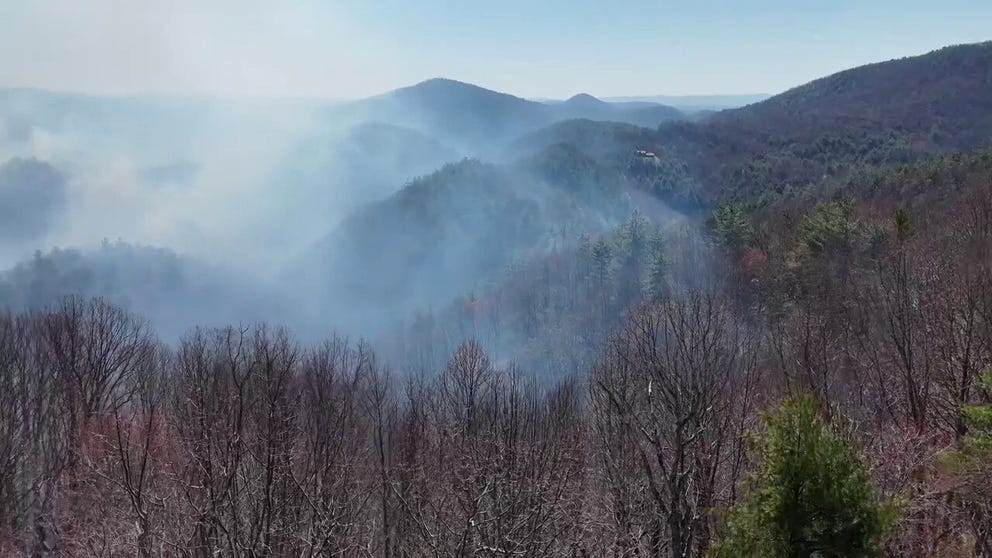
(667, 380)
(121, 483)
(898, 310)
(35, 439)
(94, 347)
(333, 460)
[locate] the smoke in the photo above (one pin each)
(290, 204)
(194, 166)
(238, 188)
(249, 48)
(241, 199)
(205, 189)
(32, 198)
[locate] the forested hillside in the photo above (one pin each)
(167, 288)
(886, 113)
(940, 99)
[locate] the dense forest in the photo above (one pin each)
(596, 329)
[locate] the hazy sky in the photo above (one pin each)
(546, 48)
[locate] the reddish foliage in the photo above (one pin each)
(753, 263)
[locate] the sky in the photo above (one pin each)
(532, 48)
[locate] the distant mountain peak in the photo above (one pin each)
(445, 91)
(440, 84)
(584, 99)
(442, 81)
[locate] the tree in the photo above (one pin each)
(809, 496)
(602, 260)
(731, 227)
(35, 440)
(656, 272)
(978, 443)
(632, 247)
(831, 226)
(670, 383)
(903, 225)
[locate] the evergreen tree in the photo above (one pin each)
(831, 226)
(978, 443)
(731, 227)
(971, 467)
(631, 249)
(602, 260)
(809, 497)
(972, 461)
(656, 271)
(903, 225)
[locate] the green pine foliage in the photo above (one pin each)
(810, 495)
(602, 260)
(979, 417)
(731, 227)
(831, 225)
(656, 270)
(976, 448)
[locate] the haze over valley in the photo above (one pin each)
(262, 190)
(422, 195)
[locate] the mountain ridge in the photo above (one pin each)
(943, 89)
(457, 111)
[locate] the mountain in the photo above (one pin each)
(174, 291)
(585, 106)
(361, 164)
(886, 113)
(582, 101)
(943, 98)
(458, 229)
(453, 111)
(479, 119)
(444, 233)
(693, 103)
(595, 138)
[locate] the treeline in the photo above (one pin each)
(240, 441)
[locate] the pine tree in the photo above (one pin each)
(731, 227)
(978, 443)
(602, 260)
(972, 461)
(903, 225)
(631, 248)
(809, 497)
(656, 271)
